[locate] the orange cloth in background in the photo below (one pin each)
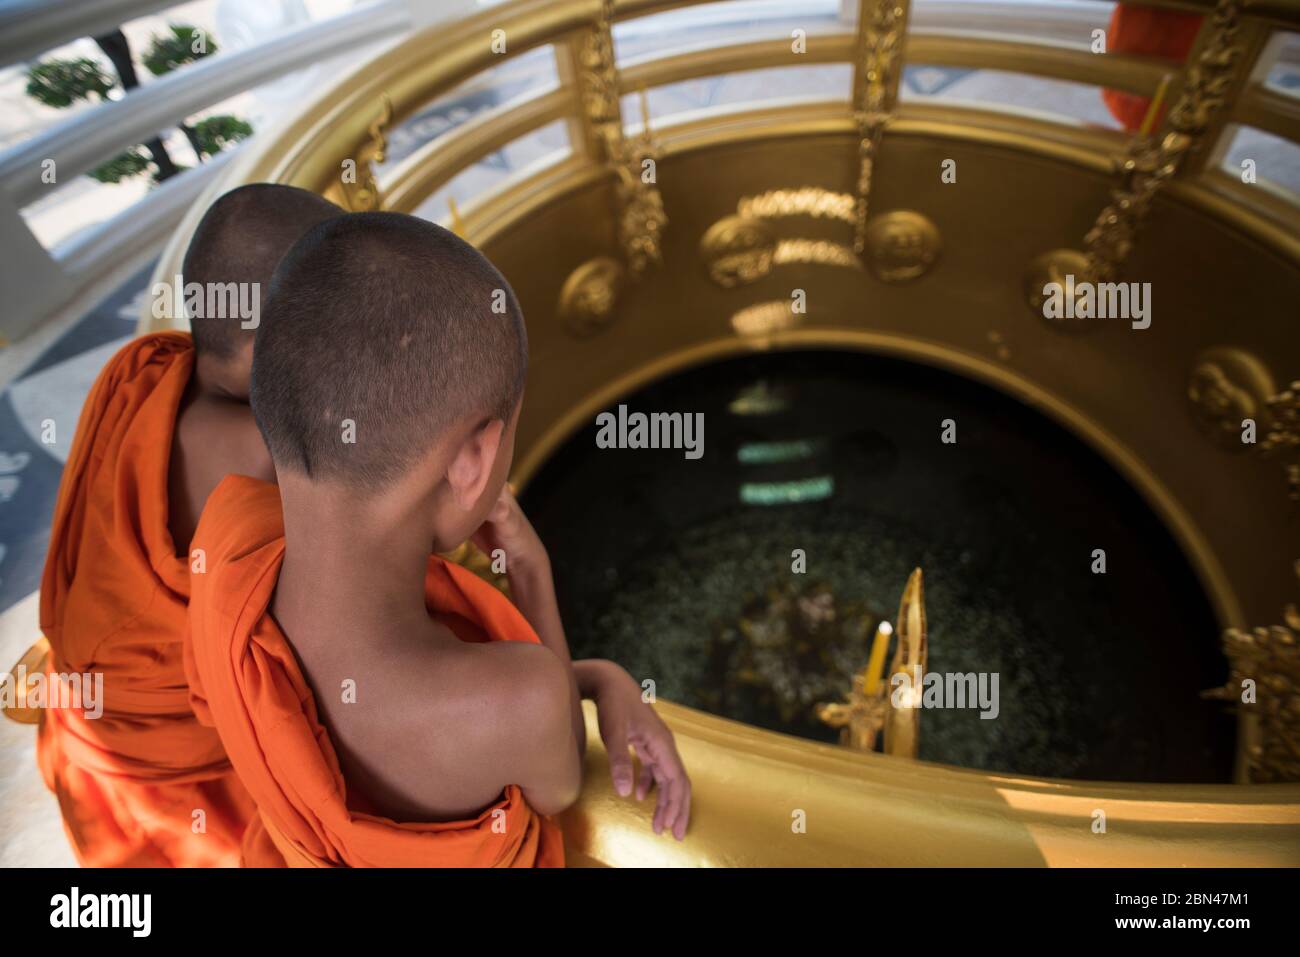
(245, 679)
(1146, 31)
(113, 601)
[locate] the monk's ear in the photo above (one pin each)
(472, 465)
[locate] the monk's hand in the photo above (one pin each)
(627, 721)
(507, 528)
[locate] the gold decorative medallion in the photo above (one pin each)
(738, 250)
(901, 245)
(1225, 387)
(1056, 267)
(590, 294)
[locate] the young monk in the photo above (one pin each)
(145, 784)
(386, 708)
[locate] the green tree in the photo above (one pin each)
(131, 163)
(184, 44)
(59, 83)
(214, 134)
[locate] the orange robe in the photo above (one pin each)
(1146, 31)
(113, 601)
(245, 679)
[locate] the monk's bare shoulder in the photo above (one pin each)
(455, 723)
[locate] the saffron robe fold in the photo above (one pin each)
(246, 681)
(144, 784)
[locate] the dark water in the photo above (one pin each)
(682, 570)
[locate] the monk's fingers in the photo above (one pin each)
(664, 804)
(614, 735)
(644, 782)
(673, 810)
(683, 817)
(662, 751)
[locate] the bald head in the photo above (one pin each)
(392, 324)
(241, 239)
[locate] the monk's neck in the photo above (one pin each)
(219, 379)
(348, 566)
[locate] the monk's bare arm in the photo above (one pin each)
(528, 567)
(533, 589)
(536, 749)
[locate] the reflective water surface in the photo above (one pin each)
(683, 570)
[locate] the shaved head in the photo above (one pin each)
(392, 324)
(241, 239)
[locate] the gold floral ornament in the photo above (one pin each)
(590, 294)
(357, 190)
(880, 39)
(743, 248)
(1226, 387)
(1282, 437)
(869, 708)
(641, 208)
(737, 250)
(1150, 162)
(1264, 685)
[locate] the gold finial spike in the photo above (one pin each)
(1157, 104)
(902, 725)
(457, 224)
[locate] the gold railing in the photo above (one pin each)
(411, 79)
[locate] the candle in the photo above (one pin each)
(876, 663)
